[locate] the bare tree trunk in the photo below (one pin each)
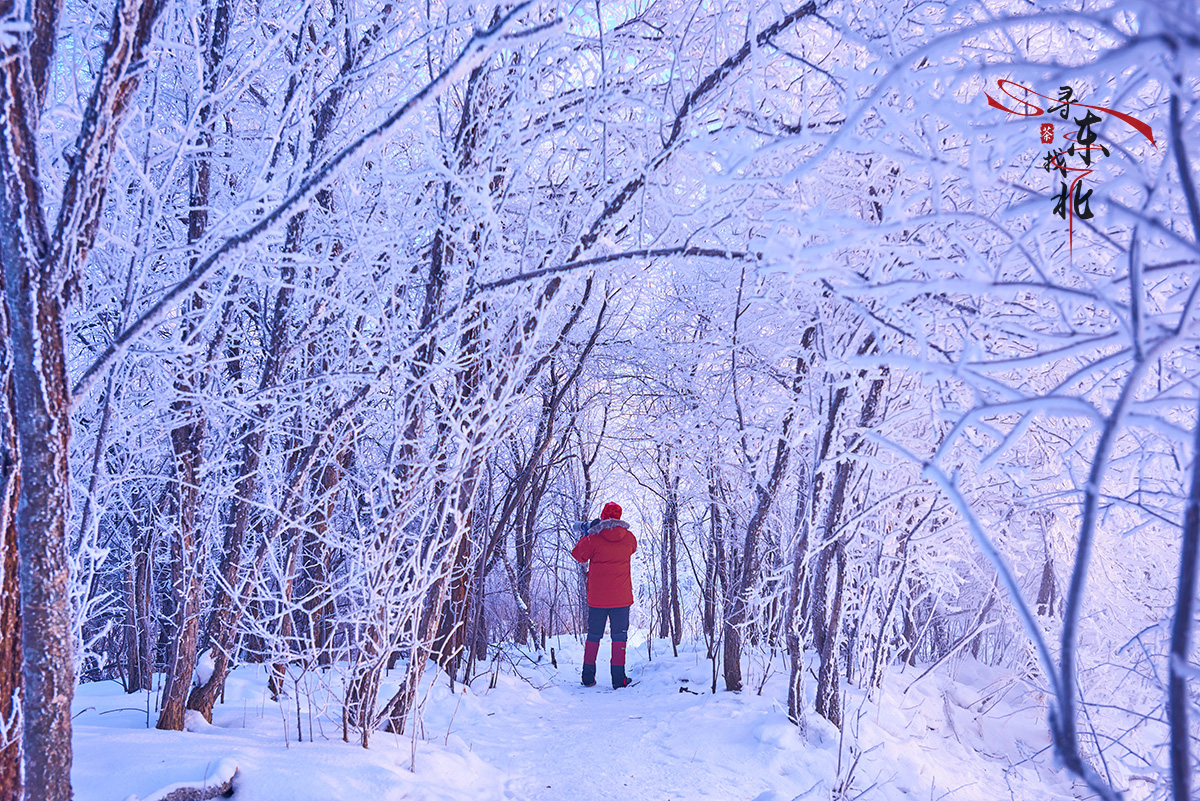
(223, 620)
(397, 709)
(285, 613)
(676, 609)
(793, 630)
(40, 410)
(664, 585)
(523, 541)
(1177, 692)
(318, 601)
(139, 590)
(737, 596)
(712, 568)
(186, 578)
(477, 636)
(737, 615)
(35, 314)
(526, 541)
(877, 660)
(1047, 598)
(454, 612)
(187, 581)
(814, 603)
(11, 683)
(670, 613)
(828, 692)
(827, 600)
(187, 439)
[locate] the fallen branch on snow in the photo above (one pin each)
(218, 783)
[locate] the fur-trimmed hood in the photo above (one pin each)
(606, 529)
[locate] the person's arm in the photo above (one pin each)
(582, 551)
(631, 553)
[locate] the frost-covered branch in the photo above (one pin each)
(479, 48)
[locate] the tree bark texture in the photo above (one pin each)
(187, 585)
(1047, 597)
(828, 678)
(11, 788)
(736, 615)
(827, 594)
(40, 406)
(793, 628)
(712, 566)
(139, 621)
(35, 268)
(670, 611)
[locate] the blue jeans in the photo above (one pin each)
(617, 616)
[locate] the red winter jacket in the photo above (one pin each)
(608, 545)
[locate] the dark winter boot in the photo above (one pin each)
(619, 678)
(589, 676)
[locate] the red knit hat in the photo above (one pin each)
(611, 512)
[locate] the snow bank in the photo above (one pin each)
(539, 735)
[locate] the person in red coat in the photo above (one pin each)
(607, 548)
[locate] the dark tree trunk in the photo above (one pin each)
(223, 620)
(526, 540)
(738, 586)
(828, 692)
(664, 586)
(673, 578)
(1178, 701)
(524, 535)
(1047, 598)
(736, 615)
(670, 613)
(318, 600)
(450, 641)
(711, 569)
(395, 712)
(185, 591)
(40, 411)
(138, 620)
(910, 633)
(186, 578)
(827, 595)
(187, 439)
(877, 661)
(10, 585)
(287, 632)
(793, 631)
(731, 655)
(35, 268)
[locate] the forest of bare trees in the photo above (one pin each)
(324, 322)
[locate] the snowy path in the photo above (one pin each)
(551, 738)
(647, 741)
(544, 737)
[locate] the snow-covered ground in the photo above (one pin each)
(964, 732)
